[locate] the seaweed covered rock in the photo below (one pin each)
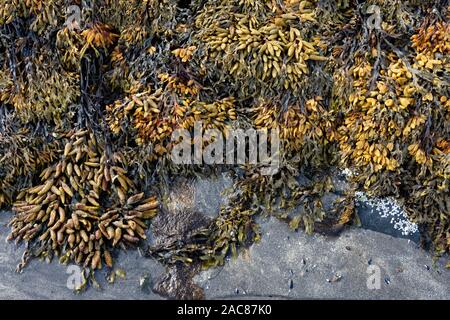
(84, 206)
(92, 93)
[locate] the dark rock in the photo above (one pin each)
(177, 283)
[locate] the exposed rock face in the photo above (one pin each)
(287, 265)
(284, 265)
(190, 206)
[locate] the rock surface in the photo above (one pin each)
(297, 266)
(40, 280)
(283, 265)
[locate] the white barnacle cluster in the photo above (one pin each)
(389, 208)
(348, 173)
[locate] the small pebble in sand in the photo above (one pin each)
(336, 277)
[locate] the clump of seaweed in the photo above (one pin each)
(45, 15)
(306, 132)
(156, 114)
(395, 130)
(34, 86)
(84, 206)
(259, 45)
(23, 154)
